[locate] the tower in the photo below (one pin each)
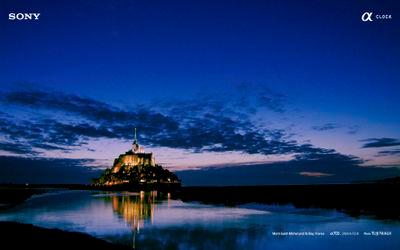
(135, 144)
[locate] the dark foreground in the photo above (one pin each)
(23, 236)
(11, 196)
(379, 200)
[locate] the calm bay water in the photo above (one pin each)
(151, 220)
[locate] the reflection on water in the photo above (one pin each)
(136, 210)
(151, 220)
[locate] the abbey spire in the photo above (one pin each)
(137, 167)
(135, 144)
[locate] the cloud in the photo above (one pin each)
(314, 174)
(389, 152)
(32, 135)
(351, 130)
(45, 171)
(81, 119)
(380, 142)
(203, 124)
(329, 167)
(328, 156)
(325, 127)
(16, 148)
(85, 107)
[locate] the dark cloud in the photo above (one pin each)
(329, 168)
(314, 174)
(380, 142)
(16, 148)
(45, 171)
(329, 155)
(46, 146)
(88, 108)
(65, 102)
(72, 134)
(389, 152)
(327, 126)
(204, 124)
(91, 119)
(30, 135)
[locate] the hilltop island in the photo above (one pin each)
(137, 168)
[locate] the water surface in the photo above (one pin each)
(151, 220)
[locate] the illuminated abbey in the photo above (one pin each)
(134, 157)
(136, 167)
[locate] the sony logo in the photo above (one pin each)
(23, 16)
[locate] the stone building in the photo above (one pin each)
(133, 158)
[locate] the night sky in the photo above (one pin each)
(222, 92)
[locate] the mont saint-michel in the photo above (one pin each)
(137, 167)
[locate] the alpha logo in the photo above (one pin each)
(367, 16)
(23, 16)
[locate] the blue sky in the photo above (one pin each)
(209, 84)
